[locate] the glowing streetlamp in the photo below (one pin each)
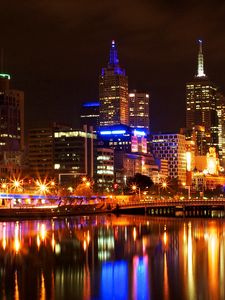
(135, 188)
(164, 186)
(52, 183)
(16, 184)
(42, 187)
(4, 186)
(84, 179)
(70, 189)
(88, 184)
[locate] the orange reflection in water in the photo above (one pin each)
(190, 263)
(135, 233)
(16, 295)
(16, 238)
(213, 262)
(165, 278)
(42, 291)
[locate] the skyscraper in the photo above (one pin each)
(201, 103)
(139, 110)
(11, 128)
(113, 92)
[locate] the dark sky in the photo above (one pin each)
(54, 51)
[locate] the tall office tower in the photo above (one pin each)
(11, 128)
(139, 110)
(201, 103)
(113, 92)
(90, 114)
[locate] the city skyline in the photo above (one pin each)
(58, 60)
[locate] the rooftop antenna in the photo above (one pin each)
(200, 61)
(113, 57)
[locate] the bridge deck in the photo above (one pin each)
(215, 202)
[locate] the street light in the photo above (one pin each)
(17, 184)
(135, 188)
(164, 186)
(42, 186)
(88, 184)
(84, 179)
(52, 183)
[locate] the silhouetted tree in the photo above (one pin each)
(142, 181)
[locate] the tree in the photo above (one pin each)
(83, 189)
(142, 181)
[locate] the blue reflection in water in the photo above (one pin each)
(114, 280)
(141, 284)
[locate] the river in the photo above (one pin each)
(108, 257)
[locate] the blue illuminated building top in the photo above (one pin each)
(91, 104)
(113, 56)
(123, 130)
(113, 61)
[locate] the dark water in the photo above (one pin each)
(108, 257)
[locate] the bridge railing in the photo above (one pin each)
(163, 202)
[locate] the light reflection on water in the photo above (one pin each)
(109, 257)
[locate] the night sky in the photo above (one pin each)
(54, 51)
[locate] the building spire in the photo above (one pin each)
(113, 57)
(200, 61)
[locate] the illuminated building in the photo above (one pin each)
(171, 147)
(11, 129)
(203, 182)
(73, 153)
(212, 162)
(130, 151)
(40, 151)
(209, 163)
(201, 104)
(221, 126)
(207, 172)
(113, 92)
(162, 174)
(61, 151)
(139, 110)
(90, 114)
(144, 164)
(123, 138)
(105, 169)
(196, 139)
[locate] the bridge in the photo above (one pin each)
(174, 207)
